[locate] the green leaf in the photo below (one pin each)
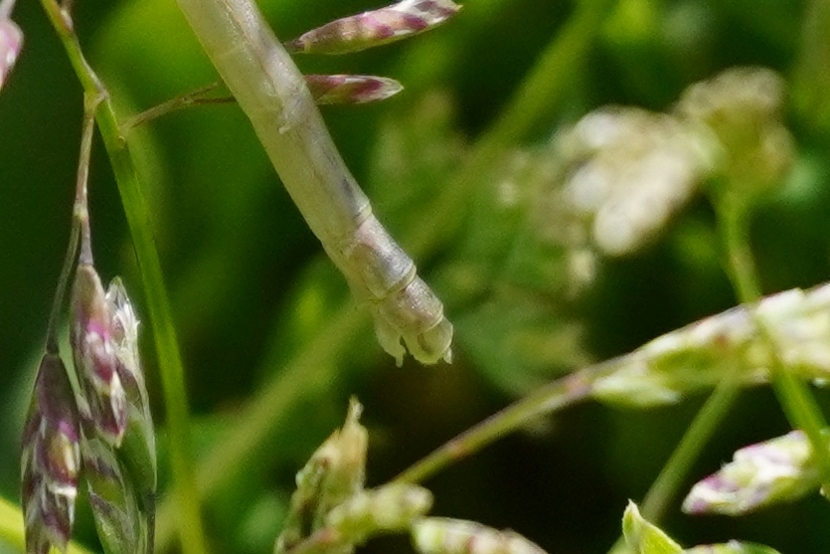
(643, 537)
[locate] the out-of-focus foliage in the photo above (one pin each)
(251, 290)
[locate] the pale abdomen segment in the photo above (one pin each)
(402, 304)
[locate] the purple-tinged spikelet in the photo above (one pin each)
(774, 471)
(11, 42)
(50, 462)
(440, 535)
(351, 89)
(374, 28)
(137, 453)
(103, 399)
(333, 474)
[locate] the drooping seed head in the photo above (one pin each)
(343, 457)
(374, 28)
(124, 329)
(50, 462)
(103, 399)
(701, 354)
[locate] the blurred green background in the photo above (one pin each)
(251, 289)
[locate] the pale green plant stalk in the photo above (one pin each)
(273, 93)
(538, 97)
(188, 519)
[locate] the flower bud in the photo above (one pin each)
(50, 459)
(699, 355)
(438, 535)
(118, 445)
(351, 89)
(627, 173)
(343, 457)
(392, 507)
(759, 475)
(374, 28)
(11, 42)
(333, 474)
(739, 111)
(103, 399)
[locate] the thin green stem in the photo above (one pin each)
(60, 290)
(81, 209)
(793, 395)
(700, 431)
(740, 262)
(138, 218)
(193, 98)
(79, 226)
(563, 392)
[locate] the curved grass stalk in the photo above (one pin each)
(138, 218)
(272, 92)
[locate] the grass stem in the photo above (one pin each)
(188, 517)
